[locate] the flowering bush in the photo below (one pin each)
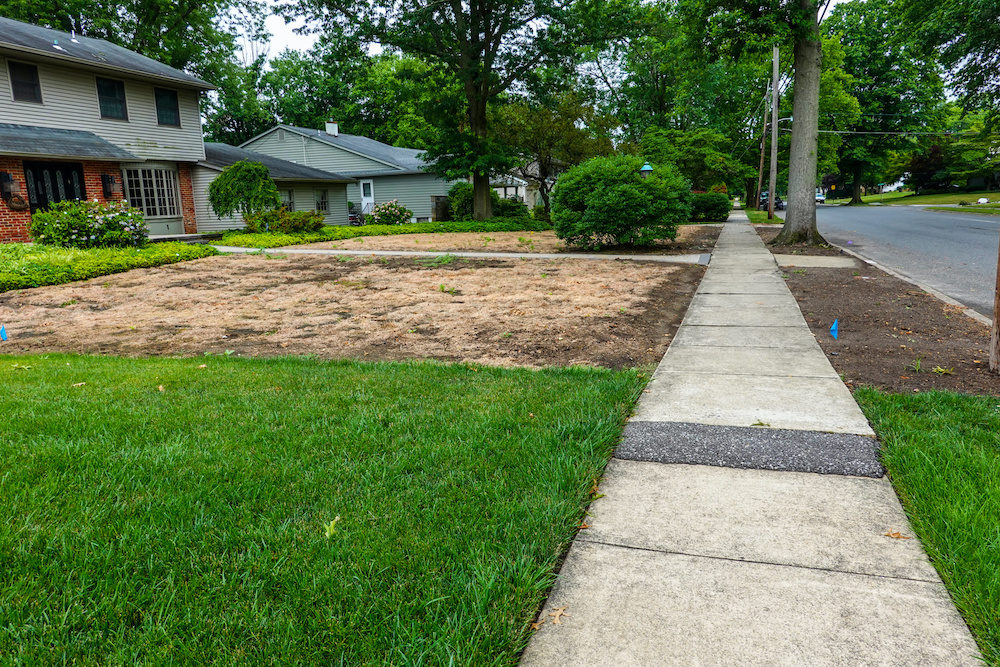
(89, 224)
(389, 213)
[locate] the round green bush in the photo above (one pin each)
(605, 202)
(509, 208)
(89, 224)
(710, 207)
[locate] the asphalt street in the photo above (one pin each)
(954, 253)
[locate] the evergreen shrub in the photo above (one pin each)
(710, 207)
(605, 202)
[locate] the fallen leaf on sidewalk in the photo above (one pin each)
(584, 526)
(556, 613)
(538, 625)
(898, 536)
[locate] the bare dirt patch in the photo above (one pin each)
(503, 312)
(892, 334)
(691, 239)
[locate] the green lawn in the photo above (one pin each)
(985, 209)
(760, 217)
(943, 455)
(289, 511)
(29, 265)
(910, 198)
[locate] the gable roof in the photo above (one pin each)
(220, 156)
(51, 44)
(31, 141)
(398, 160)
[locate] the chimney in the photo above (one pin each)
(333, 127)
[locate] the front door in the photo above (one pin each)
(51, 182)
(367, 196)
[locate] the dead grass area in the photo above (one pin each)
(502, 312)
(690, 239)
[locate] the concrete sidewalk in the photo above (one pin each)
(746, 519)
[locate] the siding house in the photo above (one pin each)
(84, 118)
(383, 172)
(301, 188)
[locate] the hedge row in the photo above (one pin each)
(34, 266)
(241, 239)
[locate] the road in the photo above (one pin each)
(954, 253)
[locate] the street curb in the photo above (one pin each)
(979, 317)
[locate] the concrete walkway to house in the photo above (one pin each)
(745, 518)
(669, 259)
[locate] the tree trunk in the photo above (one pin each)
(995, 337)
(856, 187)
(482, 202)
(800, 221)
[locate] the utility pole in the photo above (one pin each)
(772, 183)
(763, 144)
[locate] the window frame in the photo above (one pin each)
(37, 82)
(325, 200)
(157, 191)
(290, 204)
(177, 106)
(124, 98)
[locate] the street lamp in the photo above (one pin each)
(646, 170)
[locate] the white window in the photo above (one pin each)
(287, 199)
(153, 191)
(322, 201)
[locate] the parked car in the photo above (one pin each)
(820, 198)
(779, 204)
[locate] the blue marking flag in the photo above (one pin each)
(3, 333)
(833, 330)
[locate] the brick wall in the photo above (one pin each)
(14, 224)
(92, 180)
(187, 198)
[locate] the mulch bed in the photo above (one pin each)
(892, 335)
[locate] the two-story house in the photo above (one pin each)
(84, 118)
(383, 172)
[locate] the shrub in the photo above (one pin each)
(539, 213)
(605, 201)
(710, 207)
(510, 208)
(461, 203)
(284, 221)
(719, 187)
(88, 224)
(389, 213)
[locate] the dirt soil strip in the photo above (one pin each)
(891, 334)
(503, 312)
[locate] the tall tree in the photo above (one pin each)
(897, 91)
(549, 139)
(487, 45)
(738, 26)
(964, 36)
